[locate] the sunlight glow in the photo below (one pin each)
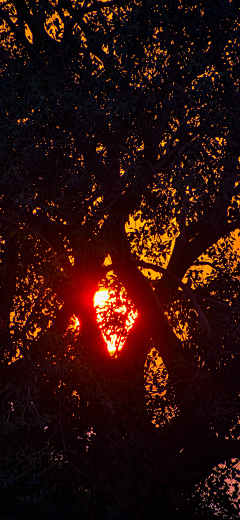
(100, 298)
(103, 301)
(74, 324)
(115, 319)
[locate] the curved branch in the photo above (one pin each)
(185, 252)
(177, 280)
(18, 33)
(35, 23)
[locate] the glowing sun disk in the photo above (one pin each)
(115, 342)
(100, 298)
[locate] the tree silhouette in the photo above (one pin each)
(119, 140)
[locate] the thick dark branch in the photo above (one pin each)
(35, 23)
(173, 277)
(185, 252)
(154, 322)
(18, 32)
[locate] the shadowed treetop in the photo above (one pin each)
(119, 139)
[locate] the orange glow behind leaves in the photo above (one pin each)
(104, 304)
(74, 324)
(102, 300)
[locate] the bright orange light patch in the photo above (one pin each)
(102, 300)
(74, 324)
(115, 317)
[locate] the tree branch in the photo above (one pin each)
(175, 278)
(188, 252)
(18, 33)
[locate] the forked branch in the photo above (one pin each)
(178, 281)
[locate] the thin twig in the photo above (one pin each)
(212, 300)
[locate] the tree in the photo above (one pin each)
(120, 139)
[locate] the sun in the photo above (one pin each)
(106, 306)
(104, 303)
(100, 298)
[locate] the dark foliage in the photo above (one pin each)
(119, 139)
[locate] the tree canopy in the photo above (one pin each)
(119, 138)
